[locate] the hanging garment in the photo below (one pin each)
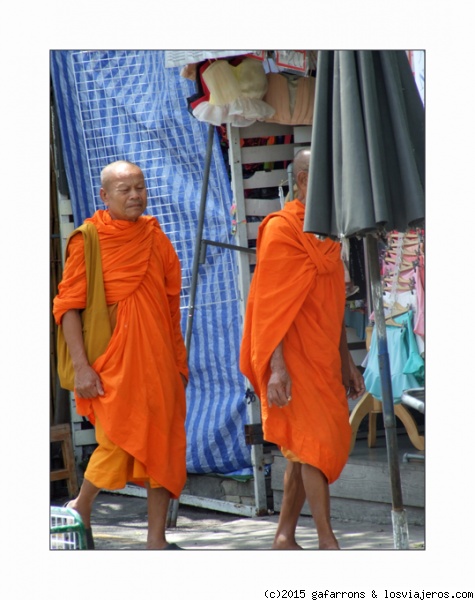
(292, 97)
(407, 299)
(419, 322)
(402, 282)
(199, 105)
(406, 363)
(232, 94)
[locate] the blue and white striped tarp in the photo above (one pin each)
(126, 105)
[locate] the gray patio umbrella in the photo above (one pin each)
(368, 137)
(367, 176)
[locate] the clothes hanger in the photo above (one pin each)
(404, 263)
(390, 321)
(407, 246)
(406, 251)
(401, 280)
(396, 309)
(400, 286)
(409, 281)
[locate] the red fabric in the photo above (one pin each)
(143, 407)
(297, 295)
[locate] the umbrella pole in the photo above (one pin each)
(399, 518)
(173, 507)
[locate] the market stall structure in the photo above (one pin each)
(212, 181)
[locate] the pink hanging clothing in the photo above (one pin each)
(419, 324)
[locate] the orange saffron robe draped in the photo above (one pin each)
(297, 295)
(143, 408)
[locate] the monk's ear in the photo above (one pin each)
(103, 195)
(302, 178)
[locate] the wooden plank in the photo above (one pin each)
(59, 475)
(263, 179)
(75, 418)
(252, 408)
(66, 229)
(85, 437)
(261, 129)
(303, 134)
(65, 207)
(371, 483)
(60, 432)
(252, 231)
(256, 207)
(270, 153)
(235, 508)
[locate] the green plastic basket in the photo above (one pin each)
(67, 531)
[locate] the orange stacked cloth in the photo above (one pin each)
(297, 295)
(143, 407)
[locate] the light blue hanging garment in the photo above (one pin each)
(405, 361)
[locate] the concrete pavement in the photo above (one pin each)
(119, 522)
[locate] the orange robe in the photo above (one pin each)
(143, 408)
(297, 295)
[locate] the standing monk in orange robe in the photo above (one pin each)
(134, 393)
(295, 354)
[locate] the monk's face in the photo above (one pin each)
(124, 192)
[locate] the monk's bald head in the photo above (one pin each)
(123, 190)
(115, 169)
(301, 167)
(301, 161)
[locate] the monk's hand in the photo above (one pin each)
(279, 388)
(87, 383)
(356, 383)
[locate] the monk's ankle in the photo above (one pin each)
(282, 542)
(74, 505)
(330, 543)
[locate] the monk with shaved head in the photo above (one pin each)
(134, 392)
(295, 355)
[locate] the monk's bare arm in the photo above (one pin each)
(87, 383)
(279, 386)
(352, 378)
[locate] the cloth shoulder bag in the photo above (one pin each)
(95, 319)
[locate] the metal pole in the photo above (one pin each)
(369, 300)
(199, 236)
(173, 507)
(399, 519)
(290, 181)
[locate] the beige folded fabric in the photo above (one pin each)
(292, 97)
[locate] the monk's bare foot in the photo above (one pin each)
(74, 505)
(328, 544)
(160, 546)
(283, 543)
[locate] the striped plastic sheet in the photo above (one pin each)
(127, 105)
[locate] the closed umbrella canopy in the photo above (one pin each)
(368, 159)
